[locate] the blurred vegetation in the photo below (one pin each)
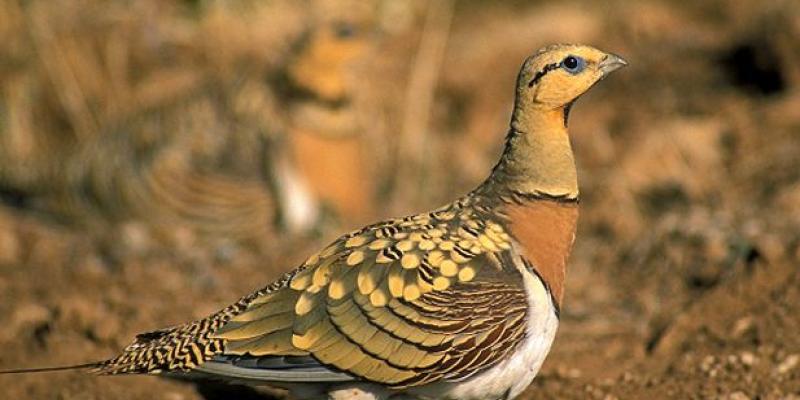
(160, 158)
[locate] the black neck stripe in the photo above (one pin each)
(540, 74)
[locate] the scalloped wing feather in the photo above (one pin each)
(403, 302)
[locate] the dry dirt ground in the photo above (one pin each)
(684, 283)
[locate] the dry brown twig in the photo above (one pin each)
(420, 94)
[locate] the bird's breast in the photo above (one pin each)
(545, 231)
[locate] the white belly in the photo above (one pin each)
(509, 378)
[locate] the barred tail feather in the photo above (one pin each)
(181, 348)
(178, 349)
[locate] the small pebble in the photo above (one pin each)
(742, 326)
(736, 396)
(707, 363)
(174, 396)
(788, 364)
(748, 358)
(10, 251)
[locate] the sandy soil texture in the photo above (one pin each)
(143, 160)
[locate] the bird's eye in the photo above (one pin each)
(344, 30)
(573, 64)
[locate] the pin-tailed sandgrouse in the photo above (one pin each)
(458, 303)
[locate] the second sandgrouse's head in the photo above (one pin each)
(557, 75)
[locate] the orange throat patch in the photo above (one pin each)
(545, 231)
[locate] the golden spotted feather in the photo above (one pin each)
(403, 302)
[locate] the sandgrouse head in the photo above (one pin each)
(557, 75)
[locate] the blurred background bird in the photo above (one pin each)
(148, 152)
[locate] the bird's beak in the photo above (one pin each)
(611, 63)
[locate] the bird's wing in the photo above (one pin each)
(403, 303)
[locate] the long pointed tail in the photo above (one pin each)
(49, 369)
